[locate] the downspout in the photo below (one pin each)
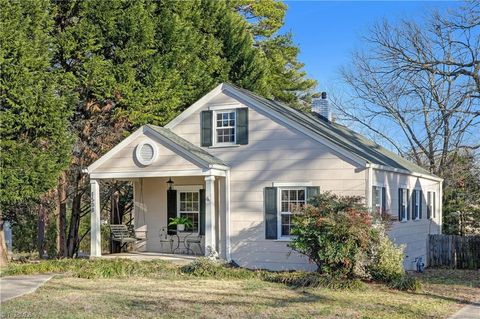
(227, 215)
(369, 184)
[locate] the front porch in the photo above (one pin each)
(171, 178)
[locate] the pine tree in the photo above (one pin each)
(34, 138)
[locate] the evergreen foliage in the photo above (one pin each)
(34, 138)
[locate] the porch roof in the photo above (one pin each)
(186, 146)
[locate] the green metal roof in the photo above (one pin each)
(188, 147)
(338, 134)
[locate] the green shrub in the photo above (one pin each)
(334, 232)
(205, 267)
(100, 268)
(300, 279)
(386, 259)
(406, 283)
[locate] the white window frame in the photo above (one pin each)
(279, 208)
(404, 208)
(189, 189)
(417, 205)
(432, 206)
(214, 115)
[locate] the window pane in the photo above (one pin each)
(219, 116)
(293, 195)
(195, 196)
(182, 196)
(182, 206)
(284, 195)
(301, 194)
(285, 230)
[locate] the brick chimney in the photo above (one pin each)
(321, 108)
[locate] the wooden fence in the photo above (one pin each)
(452, 251)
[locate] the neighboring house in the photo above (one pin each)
(238, 161)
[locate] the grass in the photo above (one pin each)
(160, 289)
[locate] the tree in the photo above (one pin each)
(34, 136)
(421, 82)
(461, 210)
(287, 81)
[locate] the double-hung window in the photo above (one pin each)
(416, 204)
(225, 122)
(189, 206)
(431, 205)
(290, 199)
(403, 204)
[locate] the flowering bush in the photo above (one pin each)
(334, 232)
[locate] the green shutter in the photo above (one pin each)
(270, 198)
(400, 197)
(414, 198)
(408, 204)
(171, 209)
(202, 212)
(421, 204)
(384, 200)
(242, 126)
(312, 193)
(206, 132)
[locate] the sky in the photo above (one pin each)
(328, 32)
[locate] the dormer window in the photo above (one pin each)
(225, 123)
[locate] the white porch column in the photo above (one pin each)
(210, 215)
(95, 232)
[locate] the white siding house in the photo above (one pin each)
(247, 158)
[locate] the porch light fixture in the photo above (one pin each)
(170, 183)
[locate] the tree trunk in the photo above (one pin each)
(62, 216)
(41, 231)
(3, 245)
(74, 224)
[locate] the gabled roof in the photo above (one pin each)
(343, 139)
(182, 146)
(187, 147)
(339, 135)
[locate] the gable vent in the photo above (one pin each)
(146, 153)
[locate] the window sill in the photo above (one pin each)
(224, 146)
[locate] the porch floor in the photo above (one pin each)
(134, 255)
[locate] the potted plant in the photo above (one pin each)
(181, 222)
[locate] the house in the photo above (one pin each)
(234, 162)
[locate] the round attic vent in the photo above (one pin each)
(146, 153)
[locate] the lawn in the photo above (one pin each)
(174, 295)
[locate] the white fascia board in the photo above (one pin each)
(140, 174)
(115, 150)
(296, 126)
(291, 184)
(404, 171)
(195, 106)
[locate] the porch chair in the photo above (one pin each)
(194, 240)
(124, 235)
(165, 238)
